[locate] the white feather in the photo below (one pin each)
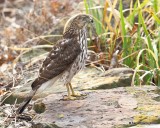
(48, 84)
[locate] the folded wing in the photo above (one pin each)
(58, 60)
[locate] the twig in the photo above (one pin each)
(6, 97)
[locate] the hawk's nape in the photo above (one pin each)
(65, 59)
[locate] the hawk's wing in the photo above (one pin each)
(58, 60)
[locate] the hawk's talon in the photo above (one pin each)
(72, 93)
(77, 94)
(75, 97)
(66, 98)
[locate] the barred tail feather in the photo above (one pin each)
(36, 88)
(26, 102)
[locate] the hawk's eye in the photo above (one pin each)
(91, 20)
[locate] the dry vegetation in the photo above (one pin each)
(23, 27)
(129, 30)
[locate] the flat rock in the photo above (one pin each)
(103, 109)
(87, 79)
(99, 109)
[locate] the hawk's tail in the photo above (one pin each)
(35, 86)
(24, 104)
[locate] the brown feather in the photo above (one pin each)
(58, 60)
(54, 64)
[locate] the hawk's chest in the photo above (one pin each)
(79, 62)
(83, 44)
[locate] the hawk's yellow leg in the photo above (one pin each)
(71, 94)
(69, 97)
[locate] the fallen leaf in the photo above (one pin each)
(134, 29)
(60, 115)
(2, 92)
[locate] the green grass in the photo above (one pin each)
(139, 43)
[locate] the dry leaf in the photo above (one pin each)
(2, 92)
(134, 29)
(60, 115)
(55, 5)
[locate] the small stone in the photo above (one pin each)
(128, 102)
(60, 115)
(39, 107)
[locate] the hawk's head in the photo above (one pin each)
(82, 20)
(79, 21)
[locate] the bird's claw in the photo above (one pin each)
(77, 94)
(66, 98)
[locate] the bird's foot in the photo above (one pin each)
(75, 96)
(65, 98)
(78, 94)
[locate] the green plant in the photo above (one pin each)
(134, 31)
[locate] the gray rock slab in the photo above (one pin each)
(104, 109)
(100, 109)
(87, 79)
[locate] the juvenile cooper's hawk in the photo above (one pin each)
(65, 59)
